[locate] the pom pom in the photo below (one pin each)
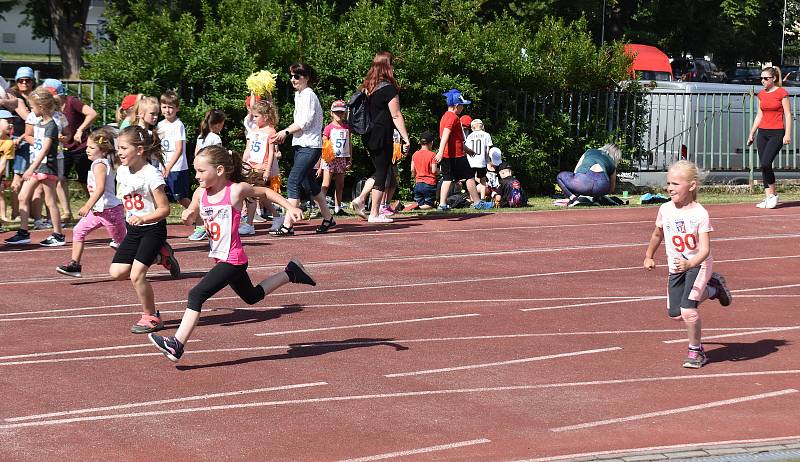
(261, 83)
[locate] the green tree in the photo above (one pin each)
(65, 22)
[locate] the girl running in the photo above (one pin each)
(221, 191)
(141, 188)
(686, 225)
(103, 207)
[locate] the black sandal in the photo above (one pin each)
(283, 231)
(326, 225)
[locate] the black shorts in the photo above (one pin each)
(80, 161)
(142, 243)
(479, 172)
(680, 286)
(455, 169)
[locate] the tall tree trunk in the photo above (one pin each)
(69, 27)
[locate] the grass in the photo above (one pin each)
(30, 57)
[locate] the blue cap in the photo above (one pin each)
(56, 85)
(454, 97)
(24, 72)
(5, 114)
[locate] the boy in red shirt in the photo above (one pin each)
(424, 169)
(452, 162)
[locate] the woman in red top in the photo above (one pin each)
(774, 124)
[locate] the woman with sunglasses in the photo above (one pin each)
(24, 84)
(774, 124)
(306, 131)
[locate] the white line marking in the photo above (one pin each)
(403, 321)
(81, 316)
(84, 350)
(673, 447)
(640, 299)
(763, 331)
(502, 363)
(674, 411)
(374, 396)
(410, 452)
(164, 401)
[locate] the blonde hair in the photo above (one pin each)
(775, 73)
(103, 137)
(42, 97)
(148, 102)
(690, 172)
(613, 151)
(268, 110)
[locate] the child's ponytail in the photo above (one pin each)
(148, 140)
(231, 161)
(212, 117)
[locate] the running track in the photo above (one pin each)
(493, 337)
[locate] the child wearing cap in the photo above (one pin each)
(128, 110)
(450, 156)
(510, 193)
(424, 169)
(338, 134)
(7, 150)
(479, 142)
(492, 178)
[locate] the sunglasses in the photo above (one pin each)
(25, 80)
(296, 76)
(767, 78)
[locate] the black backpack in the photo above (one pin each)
(358, 118)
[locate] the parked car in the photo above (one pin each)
(697, 70)
(649, 63)
(792, 79)
(746, 76)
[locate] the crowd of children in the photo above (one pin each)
(138, 167)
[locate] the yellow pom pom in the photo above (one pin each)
(261, 83)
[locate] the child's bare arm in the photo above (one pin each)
(189, 215)
(655, 241)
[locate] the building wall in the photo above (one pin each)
(15, 38)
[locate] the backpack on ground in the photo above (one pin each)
(358, 118)
(458, 201)
(514, 195)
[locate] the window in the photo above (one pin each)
(9, 38)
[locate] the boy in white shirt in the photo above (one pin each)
(479, 142)
(173, 142)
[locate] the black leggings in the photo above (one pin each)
(221, 275)
(382, 160)
(769, 143)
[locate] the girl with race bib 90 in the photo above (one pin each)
(262, 157)
(103, 208)
(141, 186)
(684, 226)
(217, 199)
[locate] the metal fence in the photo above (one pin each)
(95, 94)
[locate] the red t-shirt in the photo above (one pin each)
(772, 108)
(422, 160)
(455, 143)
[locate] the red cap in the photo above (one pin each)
(128, 102)
(466, 120)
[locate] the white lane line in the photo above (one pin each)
(81, 316)
(767, 330)
(697, 407)
(687, 446)
(555, 307)
(502, 363)
(84, 350)
(411, 452)
(164, 401)
(359, 261)
(345, 398)
(371, 324)
(336, 305)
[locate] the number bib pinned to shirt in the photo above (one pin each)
(218, 221)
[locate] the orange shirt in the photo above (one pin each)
(772, 108)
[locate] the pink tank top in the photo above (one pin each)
(221, 221)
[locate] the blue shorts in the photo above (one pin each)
(22, 158)
(178, 186)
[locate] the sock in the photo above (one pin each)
(696, 347)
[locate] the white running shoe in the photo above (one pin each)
(772, 201)
(379, 219)
(358, 208)
(113, 244)
(246, 230)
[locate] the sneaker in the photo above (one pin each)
(22, 237)
(723, 294)
(379, 219)
(695, 359)
(148, 323)
(55, 240)
(297, 274)
(384, 210)
(482, 205)
(771, 202)
(762, 204)
(341, 213)
(358, 208)
(246, 229)
(443, 208)
(113, 244)
(169, 261)
(170, 346)
(72, 268)
(199, 233)
(257, 218)
(42, 224)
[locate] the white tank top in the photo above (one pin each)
(108, 199)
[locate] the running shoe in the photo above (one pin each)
(358, 208)
(723, 294)
(387, 211)
(695, 359)
(148, 323)
(246, 229)
(341, 213)
(22, 237)
(443, 208)
(772, 202)
(55, 240)
(379, 219)
(72, 268)
(199, 234)
(113, 244)
(170, 346)
(42, 223)
(298, 274)
(169, 261)
(257, 218)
